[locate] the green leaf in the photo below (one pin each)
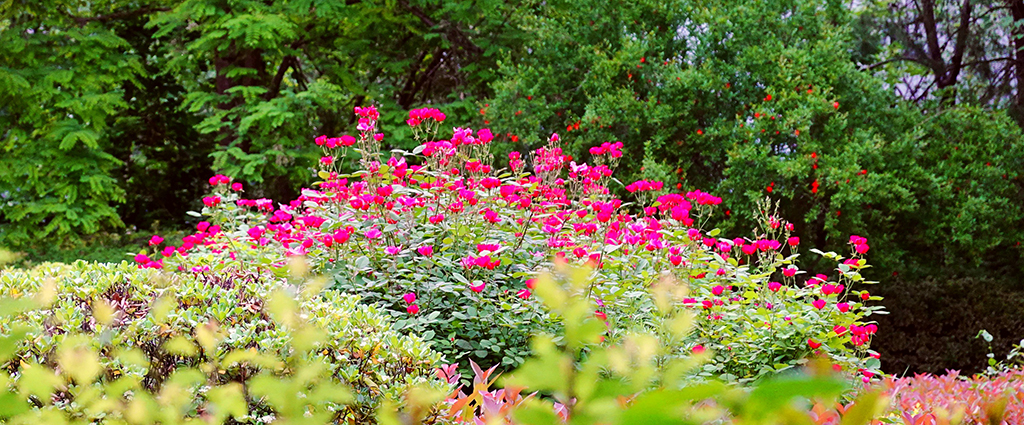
(868, 406)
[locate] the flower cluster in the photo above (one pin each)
(417, 116)
(644, 186)
(612, 149)
(859, 244)
(460, 239)
(334, 142)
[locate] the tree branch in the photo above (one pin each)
(931, 35)
(961, 44)
(979, 62)
(275, 85)
(897, 59)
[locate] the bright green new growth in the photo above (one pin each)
(88, 342)
(635, 382)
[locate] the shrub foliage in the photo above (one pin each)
(88, 342)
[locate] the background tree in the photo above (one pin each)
(767, 99)
(957, 51)
(60, 82)
(154, 93)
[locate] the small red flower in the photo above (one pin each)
(426, 250)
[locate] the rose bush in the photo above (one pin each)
(447, 243)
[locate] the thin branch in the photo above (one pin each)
(924, 91)
(897, 59)
(979, 62)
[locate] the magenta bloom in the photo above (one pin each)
(340, 236)
(478, 288)
(819, 304)
(237, 187)
(693, 234)
(487, 247)
(843, 307)
(426, 250)
(698, 349)
(155, 240)
(142, 258)
(412, 309)
(374, 234)
(392, 250)
(409, 298)
(523, 293)
(219, 179)
(793, 241)
(774, 286)
(255, 232)
(717, 289)
(789, 271)
(861, 248)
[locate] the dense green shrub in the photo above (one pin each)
(127, 339)
(934, 330)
